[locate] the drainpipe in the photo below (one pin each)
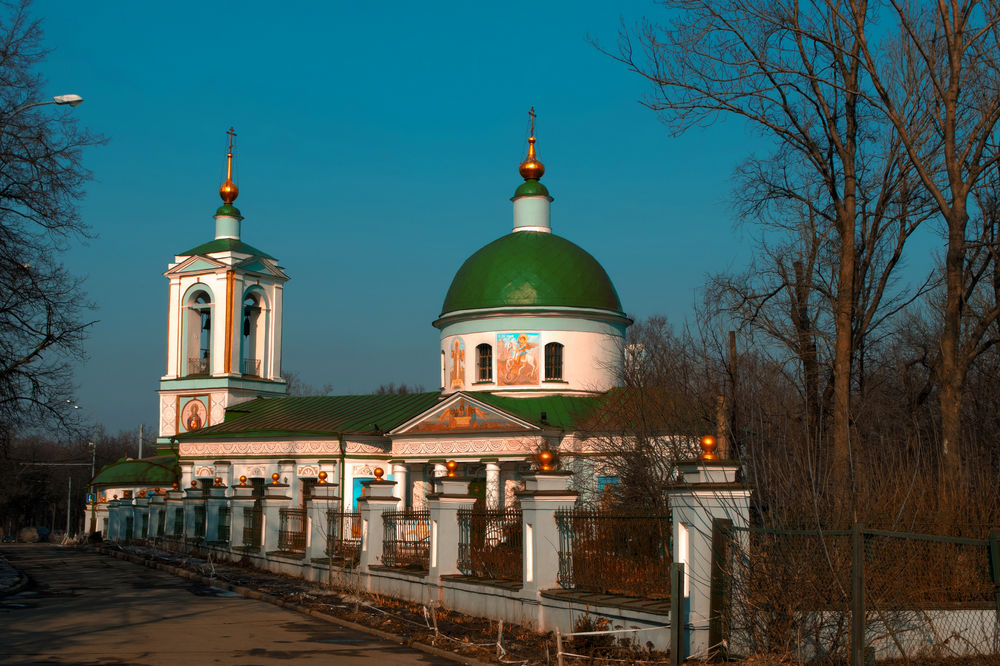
(343, 457)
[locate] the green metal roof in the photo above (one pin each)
(561, 411)
(531, 188)
(226, 245)
(531, 268)
(159, 470)
(317, 415)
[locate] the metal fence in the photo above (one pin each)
(856, 594)
(161, 522)
(407, 539)
(343, 536)
(292, 530)
(490, 544)
(199, 521)
(251, 367)
(225, 525)
(253, 527)
(178, 522)
(615, 552)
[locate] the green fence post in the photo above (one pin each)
(676, 614)
(718, 597)
(995, 567)
(857, 596)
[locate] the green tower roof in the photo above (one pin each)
(161, 470)
(530, 268)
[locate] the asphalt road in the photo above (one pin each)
(84, 608)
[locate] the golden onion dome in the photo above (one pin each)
(531, 168)
(228, 191)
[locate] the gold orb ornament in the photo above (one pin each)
(243, 480)
(322, 477)
(452, 468)
(275, 477)
(708, 446)
(378, 472)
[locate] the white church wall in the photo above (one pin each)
(592, 360)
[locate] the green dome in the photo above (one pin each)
(531, 268)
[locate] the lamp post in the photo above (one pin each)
(62, 100)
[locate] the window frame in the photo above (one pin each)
(484, 371)
(554, 362)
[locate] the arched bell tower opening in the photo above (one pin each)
(197, 357)
(254, 338)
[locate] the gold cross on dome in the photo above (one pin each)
(231, 133)
(532, 114)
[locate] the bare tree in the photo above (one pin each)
(41, 183)
(794, 72)
(950, 48)
(639, 432)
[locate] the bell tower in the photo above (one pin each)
(224, 324)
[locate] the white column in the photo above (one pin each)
(399, 476)
(709, 491)
(492, 486)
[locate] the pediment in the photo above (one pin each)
(462, 414)
(196, 264)
(261, 266)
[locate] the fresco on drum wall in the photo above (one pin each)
(517, 359)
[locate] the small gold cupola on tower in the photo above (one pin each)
(531, 199)
(228, 217)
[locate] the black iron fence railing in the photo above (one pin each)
(253, 527)
(129, 527)
(490, 544)
(198, 365)
(615, 552)
(407, 539)
(292, 530)
(143, 526)
(178, 522)
(199, 522)
(343, 536)
(161, 522)
(225, 524)
(251, 367)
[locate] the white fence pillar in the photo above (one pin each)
(214, 505)
(377, 500)
(452, 494)
(544, 494)
(242, 499)
(324, 499)
(194, 498)
(709, 491)
(276, 498)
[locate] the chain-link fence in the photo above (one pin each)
(855, 595)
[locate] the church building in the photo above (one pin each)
(532, 335)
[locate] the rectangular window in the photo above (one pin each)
(485, 362)
(553, 361)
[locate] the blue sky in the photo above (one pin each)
(378, 147)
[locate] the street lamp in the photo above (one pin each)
(62, 100)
